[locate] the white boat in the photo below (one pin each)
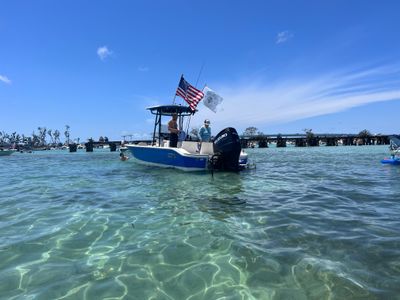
(7, 152)
(222, 154)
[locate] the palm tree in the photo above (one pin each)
(42, 135)
(311, 139)
(6, 138)
(12, 137)
(56, 135)
(250, 131)
(66, 133)
(364, 137)
(29, 141)
(364, 134)
(35, 140)
(50, 134)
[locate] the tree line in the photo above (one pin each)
(36, 139)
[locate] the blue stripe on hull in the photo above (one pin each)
(168, 157)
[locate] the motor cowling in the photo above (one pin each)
(227, 150)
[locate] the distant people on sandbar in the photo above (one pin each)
(173, 130)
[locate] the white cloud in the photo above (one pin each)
(103, 52)
(299, 98)
(283, 37)
(5, 79)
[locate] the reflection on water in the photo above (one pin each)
(315, 223)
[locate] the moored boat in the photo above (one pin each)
(391, 161)
(223, 154)
(394, 148)
(6, 152)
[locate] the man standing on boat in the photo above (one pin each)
(173, 130)
(205, 132)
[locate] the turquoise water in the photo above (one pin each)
(307, 223)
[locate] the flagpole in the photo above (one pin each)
(198, 77)
(197, 81)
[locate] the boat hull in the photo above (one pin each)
(169, 157)
(6, 152)
(391, 161)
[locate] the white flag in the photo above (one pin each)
(211, 99)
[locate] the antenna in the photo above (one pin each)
(198, 77)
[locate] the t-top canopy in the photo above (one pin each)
(169, 110)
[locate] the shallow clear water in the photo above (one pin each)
(307, 223)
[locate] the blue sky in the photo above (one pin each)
(281, 66)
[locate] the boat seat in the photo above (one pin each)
(207, 148)
(190, 147)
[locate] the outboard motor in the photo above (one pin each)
(227, 150)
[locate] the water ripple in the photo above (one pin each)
(312, 223)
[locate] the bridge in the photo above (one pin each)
(314, 139)
(281, 140)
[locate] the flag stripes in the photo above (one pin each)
(189, 93)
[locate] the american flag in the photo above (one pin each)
(189, 93)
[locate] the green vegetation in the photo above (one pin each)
(44, 138)
(364, 134)
(250, 131)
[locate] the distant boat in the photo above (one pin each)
(394, 148)
(222, 154)
(391, 161)
(394, 145)
(6, 152)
